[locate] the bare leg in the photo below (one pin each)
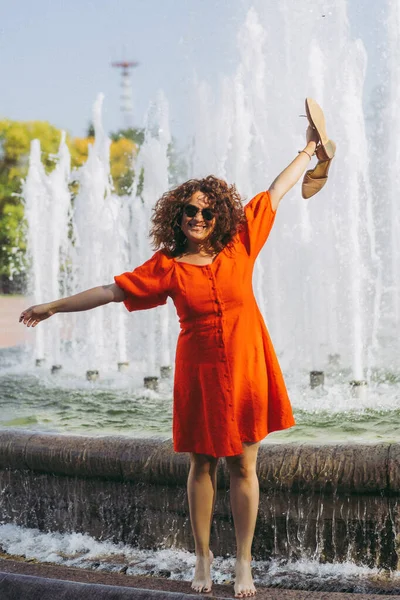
(201, 489)
(244, 491)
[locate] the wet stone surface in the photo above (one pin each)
(158, 584)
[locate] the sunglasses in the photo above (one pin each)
(191, 211)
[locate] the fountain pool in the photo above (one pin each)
(119, 404)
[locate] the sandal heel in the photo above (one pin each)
(326, 151)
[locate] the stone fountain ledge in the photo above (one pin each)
(342, 468)
(335, 502)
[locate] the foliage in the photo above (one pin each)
(133, 134)
(122, 154)
(15, 141)
(12, 245)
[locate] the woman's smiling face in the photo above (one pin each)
(197, 229)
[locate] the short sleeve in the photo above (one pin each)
(260, 218)
(146, 286)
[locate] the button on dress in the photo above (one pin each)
(228, 386)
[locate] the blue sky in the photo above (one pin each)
(55, 55)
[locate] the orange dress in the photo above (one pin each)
(228, 386)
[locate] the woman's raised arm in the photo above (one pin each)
(86, 300)
(291, 175)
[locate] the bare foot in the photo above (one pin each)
(202, 577)
(244, 586)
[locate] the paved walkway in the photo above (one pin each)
(12, 332)
(49, 576)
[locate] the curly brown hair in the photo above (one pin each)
(167, 214)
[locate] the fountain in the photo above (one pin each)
(47, 211)
(123, 366)
(331, 306)
(324, 260)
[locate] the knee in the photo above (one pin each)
(202, 465)
(240, 468)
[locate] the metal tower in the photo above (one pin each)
(126, 90)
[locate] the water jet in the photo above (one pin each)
(165, 372)
(151, 383)
(334, 359)
(92, 375)
(317, 378)
(359, 388)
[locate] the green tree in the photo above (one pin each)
(122, 155)
(15, 140)
(134, 134)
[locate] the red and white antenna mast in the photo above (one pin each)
(126, 90)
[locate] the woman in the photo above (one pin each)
(229, 391)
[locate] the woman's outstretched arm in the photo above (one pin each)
(290, 176)
(86, 300)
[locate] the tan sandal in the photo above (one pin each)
(315, 179)
(316, 119)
